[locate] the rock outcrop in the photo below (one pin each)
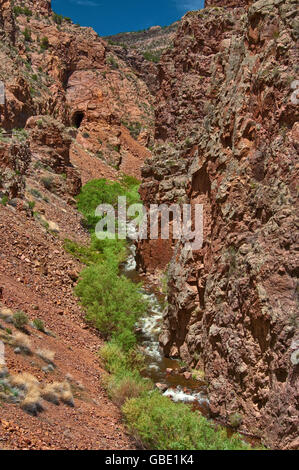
(59, 69)
(142, 50)
(15, 158)
(227, 130)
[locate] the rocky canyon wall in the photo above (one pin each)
(51, 66)
(228, 137)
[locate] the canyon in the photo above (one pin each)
(211, 121)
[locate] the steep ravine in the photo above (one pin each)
(226, 135)
(166, 373)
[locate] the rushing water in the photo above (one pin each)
(149, 328)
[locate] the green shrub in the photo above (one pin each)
(235, 420)
(44, 43)
(113, 63)
(152, 56)
(113, 303)
(129, 182)
(22, 11)
(102, 191)
(48, 182)
(20, 320)
(31, 205)
(85, 254)
(20, 134)
(39, 324)
(57, 18)
(36, 193)
(118, 362)
(27, 34)
(134, 128)
(163, 425)
(4, 200)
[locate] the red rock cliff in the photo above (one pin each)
(60, 69)
(228, 137)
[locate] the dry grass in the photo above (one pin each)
(51, 393)
(24, 381)
(32, 401)
(22, 341)
(66, 394)
(6, 314)
(3, 371)
(126, 389)
(58, 391)
(46, 355)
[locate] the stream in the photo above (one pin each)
(173, 385)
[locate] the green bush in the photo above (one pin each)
(39, 324)
(113, 63)
(57, 18)
(27, 34)
(48, 182)
(113, 303)
(20, 320)
(36, 193)
(22, 11)
(44, 43)
(102, 191)
(134, 128)
(83, 253)
(152, 56)
(124, 381)
(118, 362)
(121, 389)
(163, 425)
(4, 200)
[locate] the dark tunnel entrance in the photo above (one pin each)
(77, 119)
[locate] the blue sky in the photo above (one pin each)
(115, 16)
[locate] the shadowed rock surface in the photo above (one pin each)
(227, 137)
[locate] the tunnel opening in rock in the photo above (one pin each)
(77, 119)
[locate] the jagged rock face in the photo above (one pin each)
(62, 70)
(144, 69)
(37, 6)
(50, 142)
(6, 19)
(227, 3)
(141, 50)
(228, 133)
(15, 158)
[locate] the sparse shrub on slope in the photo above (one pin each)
(20, 320)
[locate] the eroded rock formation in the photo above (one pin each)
(59, 69)
(227, 133)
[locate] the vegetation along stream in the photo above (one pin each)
(129, 314)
